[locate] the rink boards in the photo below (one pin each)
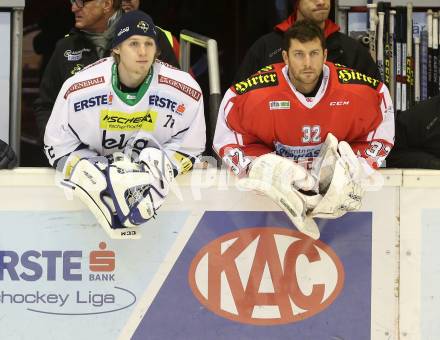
(219, 263)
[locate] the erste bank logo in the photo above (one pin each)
(266, 276)
(63, 282)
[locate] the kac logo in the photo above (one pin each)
(266, 276)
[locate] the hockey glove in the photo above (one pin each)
(340, 179)
(117, 191)
(157, 163)
(286, 183)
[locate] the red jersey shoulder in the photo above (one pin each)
(347, 75)
(266, 77)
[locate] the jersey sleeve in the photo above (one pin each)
(187, 145)
(233, 142)
(376, 146)
(60, 140)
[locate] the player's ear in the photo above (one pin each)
(325, 54)
(285, 57)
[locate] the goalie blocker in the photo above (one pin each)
(121, 194)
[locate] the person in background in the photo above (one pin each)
(334, 121)
(87, 42)
(417, 143)
(341, 48)
(131, 5)
(8, 159)
(124, 127)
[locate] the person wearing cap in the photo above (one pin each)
(341, 48)
(145, 116)
(86, 43)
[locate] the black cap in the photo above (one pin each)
(134, 23)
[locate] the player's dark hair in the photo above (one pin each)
(304, 31)
(117, 5)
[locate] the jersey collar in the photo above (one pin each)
(310, 101)
(130, 98)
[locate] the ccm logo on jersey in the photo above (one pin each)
(266, 276)
(94, 101)
(256, 82)
(340, 103)
(84, 84)
(347, 76)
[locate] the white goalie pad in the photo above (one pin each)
(340, 180)
(89, 183)
(281, 179)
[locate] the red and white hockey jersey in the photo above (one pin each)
(92, 113)
(265, 113)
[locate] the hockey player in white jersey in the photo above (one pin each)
(124, 127)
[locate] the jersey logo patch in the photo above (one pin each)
(279, 105)
(257, 81)
(75, 55)
(84, 84)
(121, 121)
(188, 90)
(347, 76)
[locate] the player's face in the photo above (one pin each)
(137, 54)
(315, 10)
(130, 5)
(305, 62)
(92, 16)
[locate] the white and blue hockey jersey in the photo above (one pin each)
(92, 113)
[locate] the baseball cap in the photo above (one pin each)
(134, 23)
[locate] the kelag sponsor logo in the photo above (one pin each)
(75, 282)
(121, 141)
(266, 276)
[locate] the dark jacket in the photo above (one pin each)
(73, 53)
(8, 159)
(417, 143)
(341, 50)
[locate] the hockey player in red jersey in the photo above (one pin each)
(335, 120)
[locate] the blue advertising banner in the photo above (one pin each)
(62, 278)
(251, 275)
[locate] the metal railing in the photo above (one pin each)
(16, 7)
(188, 38)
